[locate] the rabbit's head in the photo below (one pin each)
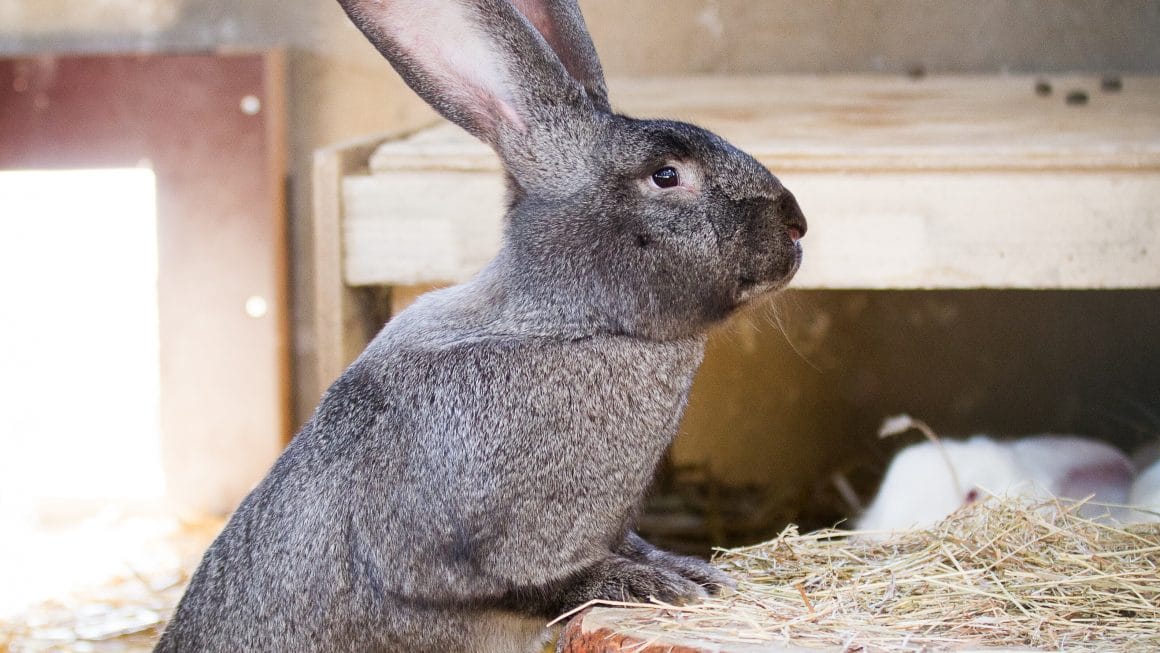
(644, 227)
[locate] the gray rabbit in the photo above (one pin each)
(476, 471)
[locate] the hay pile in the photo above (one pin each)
(1002, 573)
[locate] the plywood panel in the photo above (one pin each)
(212, 129)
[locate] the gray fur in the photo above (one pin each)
(477, 470)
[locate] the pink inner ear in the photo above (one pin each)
(1075, 467)
(457, 56)
(563, 44)
(490, 111)
(538, 17)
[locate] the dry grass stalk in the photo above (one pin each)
(1001, 573)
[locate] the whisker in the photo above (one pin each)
(774, 318)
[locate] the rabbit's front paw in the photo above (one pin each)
(697, 570)
(641, 581)
(618, 578)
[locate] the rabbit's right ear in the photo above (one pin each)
(484, 65)
(562, 26)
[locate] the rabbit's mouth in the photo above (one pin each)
(750, 287)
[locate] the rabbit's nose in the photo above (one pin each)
(791, 215)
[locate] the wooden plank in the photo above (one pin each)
(276, 124)
(889, 230)
(339, 314)
(420, 227)
(334, 302)
(980, 230)
(601, 630)
(873, 123)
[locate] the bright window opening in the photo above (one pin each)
(79, 372)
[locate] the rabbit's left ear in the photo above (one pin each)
(500, 74)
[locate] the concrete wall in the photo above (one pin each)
(737, 36)
(340, 88)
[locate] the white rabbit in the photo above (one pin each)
(1146, 494)
(923, 484)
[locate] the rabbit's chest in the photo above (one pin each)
(576, 451)
(607, 413)
(546, 404)
(637, 389)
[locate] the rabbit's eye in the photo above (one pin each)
(666, 177)
(972, 495)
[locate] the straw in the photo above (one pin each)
(1003, 573)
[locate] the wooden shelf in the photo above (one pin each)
(959, 182)
(938, 182)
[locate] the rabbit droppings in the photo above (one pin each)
(475, 472)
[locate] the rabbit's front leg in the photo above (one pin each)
(700, 572)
